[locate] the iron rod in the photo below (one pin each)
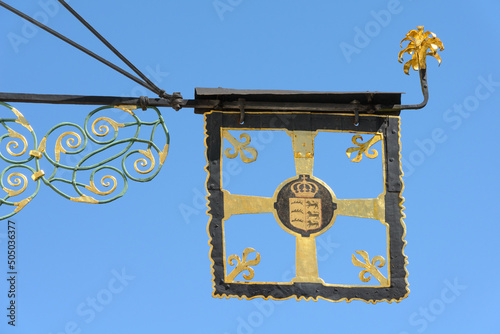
(425, 91)
(200, 104)
(76, 45)
(156, 90)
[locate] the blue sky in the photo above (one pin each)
(140, 264)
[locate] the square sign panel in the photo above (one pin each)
(300, 205)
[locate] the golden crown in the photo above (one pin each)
(303, 188)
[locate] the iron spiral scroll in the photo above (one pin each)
(86, 163)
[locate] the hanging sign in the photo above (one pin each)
(303, 205)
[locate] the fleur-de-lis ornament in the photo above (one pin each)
(242, 265)
(421, 44)
(370, 267)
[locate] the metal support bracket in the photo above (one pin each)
(356, 117)
(241, 102)
(425, 92)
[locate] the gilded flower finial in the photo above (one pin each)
(421, 44)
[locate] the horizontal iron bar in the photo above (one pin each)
(199, 104)
(80, 99)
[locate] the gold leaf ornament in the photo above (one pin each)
(18, 181)
(70, 142)
(163, 154)
(149, 155)
(127, 108)
(371, 267)
(20, 205)
(363, 148)
(421, 44)
(14, 134)
(104, 129)
(41, 149)
(242, 265)
(21, 119)
(84, 199)
(240, 147)
(104, 183)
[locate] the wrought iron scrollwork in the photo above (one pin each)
(98, 152)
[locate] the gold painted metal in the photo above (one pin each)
(70, 142)
(42, 146)
(371, 268)
(148, 154)
(372, 208)
(94, 189)
(84, 199)
(303, 150)
(22, 204)
(363, 147)
(127, 108)
(36, 154)
(420, 42)
(240, 204)
(242, 265)
(14, 134)
(104, 129)
(16, 183)
(239, 148)
(21, 120)
(306, 262)
(163, 154)
(37, 175)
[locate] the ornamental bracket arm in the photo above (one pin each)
(421, 44)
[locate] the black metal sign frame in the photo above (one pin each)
(388, 126)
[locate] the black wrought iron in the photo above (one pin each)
(145, 82)
(176, 101)
(206, 102)
(425, 91)
(114, 50)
